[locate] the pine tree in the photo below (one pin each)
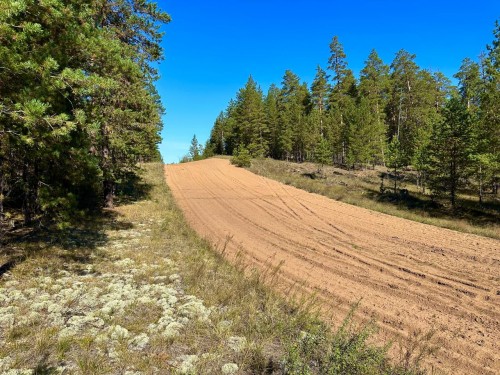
(216, 142)
(363, 137)
(341, 101)
(396, 159)
(312, 134)
(272, 120)
(292, 106)
(429, 99)
(319, 95)
(195, 151)
(470, 84)
(415, 102)
(471, 88)
(250, 119)
(301, 129)
(401, 105)
(323, 154)
(337, 62)
(450, 150)
(374, 87)
(135, 111)
(489, 131)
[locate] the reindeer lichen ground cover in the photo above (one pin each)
(111, 306)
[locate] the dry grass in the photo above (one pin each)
(362, 188)
(137, 292)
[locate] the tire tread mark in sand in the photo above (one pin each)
(388, 272)
(308, 209)
(299, 255)
(394, 267)
(358, 259)
(299, 226)
(246, 188)
(456, 280)
(244, 218)
(221, 203)
(251, 222)
(345, 254)
(239, 185)
(379, 262)
(358, 278)
(282, 209)
(280, 198)
(321, 219)
(329, 246)
(411, 294)
(466, 283)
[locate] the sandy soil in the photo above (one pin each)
(410, 276)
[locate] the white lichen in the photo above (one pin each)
(237, 343)
(91, 303)
(187, 364)
(139, 342)
(229, 368)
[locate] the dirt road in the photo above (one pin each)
(409, 275)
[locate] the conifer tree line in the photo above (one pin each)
(396, 115)
(78, 106)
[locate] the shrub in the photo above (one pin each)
(348, 351)
(241, 157)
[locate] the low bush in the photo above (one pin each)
(241, 157)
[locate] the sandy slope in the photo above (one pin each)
(409, 275)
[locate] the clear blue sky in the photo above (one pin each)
(211, 47)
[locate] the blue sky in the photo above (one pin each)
(211, 47)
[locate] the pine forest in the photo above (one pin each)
(399, 115)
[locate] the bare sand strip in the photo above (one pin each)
(410, 276)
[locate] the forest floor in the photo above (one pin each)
(411, 278)
(136, 291)
(363, 188)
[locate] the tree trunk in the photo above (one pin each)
(381, 139)
(108, 186)
(343, 152)
(480, 185)
(109, 193)
(2, 189)
(30, 180)
(383, 153)
(453, 183)
(399, 112)
(395, 180)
